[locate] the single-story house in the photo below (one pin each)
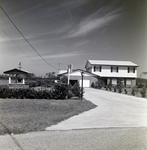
(76, 76)
(20, 76)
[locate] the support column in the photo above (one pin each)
(23, 81)
(9, 79)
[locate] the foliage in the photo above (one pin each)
(115, 89)
(76, 89)
(60, 91)
(126, 92)
(64, 80)
(92, 85)
(143, 92)
(5, 92)
(110, 86)
(51, 78)
(141, 82)
(133, 91)
(120, 86)
(99, 84)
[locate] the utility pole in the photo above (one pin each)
(82, 73)
(59, 66)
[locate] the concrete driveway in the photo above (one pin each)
(113, 110)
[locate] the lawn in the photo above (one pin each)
(27, 115)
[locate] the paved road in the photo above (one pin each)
(113, 110)
(92, 139)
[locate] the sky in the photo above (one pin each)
(62, 32)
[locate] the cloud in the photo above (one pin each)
(63, 55)
(92, 23)
(79, 44)
(75, 3)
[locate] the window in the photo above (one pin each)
(114, 69)
(131, 69)
(97, 68)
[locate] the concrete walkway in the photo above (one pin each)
(113, 110)
(92, 139)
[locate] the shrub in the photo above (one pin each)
(106, 88)
(76, 89)
(60, 91)
(110, 86)
(126, 92)
(23, 93)
(120, 86)
(115, 89)
(100, 84)
(93, 85)
(133, 91)
(143, 92)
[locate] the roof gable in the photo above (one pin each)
(17, 71)
(80, 71)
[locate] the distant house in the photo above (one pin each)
(113, 71)
(20, 76)
(75, 75)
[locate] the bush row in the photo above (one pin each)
(120, 87)
(59, 91)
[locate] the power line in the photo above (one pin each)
(19, 47)
(26, 39)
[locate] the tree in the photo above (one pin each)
(51, 76)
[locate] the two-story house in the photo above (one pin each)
(113, 71)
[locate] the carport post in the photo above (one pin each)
(82, 86)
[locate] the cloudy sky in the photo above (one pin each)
(62, 32)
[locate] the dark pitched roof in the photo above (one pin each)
(16, 71)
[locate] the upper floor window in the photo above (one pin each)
(114, 69)
(97, 68)
(131, 69)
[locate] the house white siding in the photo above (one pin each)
(122, 72)
(111, 71)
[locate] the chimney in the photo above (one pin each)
(70, 68)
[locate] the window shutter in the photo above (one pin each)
(100, 68)
(116, 69)
(133, 69)
(94, 68)
(111, 69)
(128, 69)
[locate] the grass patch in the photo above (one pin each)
(27, 115)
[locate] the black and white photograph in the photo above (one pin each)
(73, 74)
